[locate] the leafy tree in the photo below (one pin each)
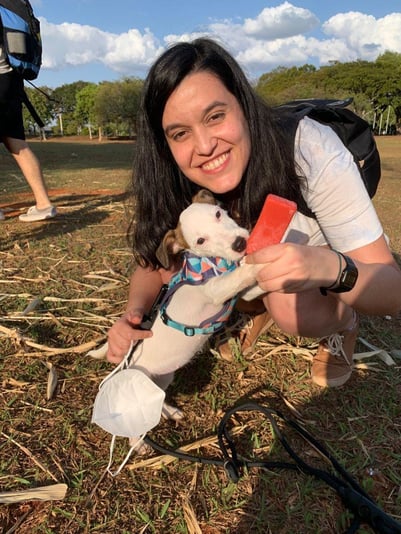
(374, 86)
(116, 105)
(283, 84)
(84, 112)
(65, 95)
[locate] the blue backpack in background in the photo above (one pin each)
(20, 37)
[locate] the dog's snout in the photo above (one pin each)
(239, 244)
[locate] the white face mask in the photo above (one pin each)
(128, 404)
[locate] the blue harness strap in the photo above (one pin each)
(195, 271)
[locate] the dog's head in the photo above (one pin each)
(205, 229)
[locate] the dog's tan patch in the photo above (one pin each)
(203, 196)
(173, 243)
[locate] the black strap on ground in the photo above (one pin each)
(354, 498)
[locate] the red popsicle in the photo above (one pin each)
(272, 223)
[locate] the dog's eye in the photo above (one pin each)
(200, 241)
(218, 214)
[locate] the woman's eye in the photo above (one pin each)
(179, 135)
(218, 116)
(200, 241)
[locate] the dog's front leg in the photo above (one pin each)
(221, 288)
(168, 411)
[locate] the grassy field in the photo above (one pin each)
(64, 282)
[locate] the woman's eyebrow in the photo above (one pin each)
(208, 109)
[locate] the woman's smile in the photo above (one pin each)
(216, 164)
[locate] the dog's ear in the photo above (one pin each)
(173, 243)
(203, 196)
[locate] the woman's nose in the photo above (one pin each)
(205, 143)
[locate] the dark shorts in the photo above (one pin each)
(11, 123)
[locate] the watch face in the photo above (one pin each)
(347, 280)
(350, 278)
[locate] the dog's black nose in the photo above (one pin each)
(239, 244)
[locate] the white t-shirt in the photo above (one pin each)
(4, 66)
(345, 216)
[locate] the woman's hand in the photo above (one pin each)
(291, 268)
(145, 284)
(124, 332)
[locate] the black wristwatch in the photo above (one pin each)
(346, 279)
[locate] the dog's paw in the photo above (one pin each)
(100, 353)
(171, 412)
(140, 447)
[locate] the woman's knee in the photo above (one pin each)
(284, 312)
(309, 315)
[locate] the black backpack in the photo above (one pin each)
(355, 133)
(20, 37)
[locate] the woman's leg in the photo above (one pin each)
(312, 315)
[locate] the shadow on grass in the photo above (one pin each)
(76, 211)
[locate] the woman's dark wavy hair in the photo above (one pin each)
(159, 190)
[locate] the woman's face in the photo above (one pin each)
(207, 132)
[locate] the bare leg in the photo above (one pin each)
(309, 313)
(30, 167)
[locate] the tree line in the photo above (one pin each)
(110, 108)
(83, 108)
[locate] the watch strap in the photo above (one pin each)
(346, 278)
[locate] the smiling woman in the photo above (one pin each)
(201, 125)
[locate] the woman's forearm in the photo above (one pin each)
(377, 291)
(145, 284)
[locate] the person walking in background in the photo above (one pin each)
(13, 137)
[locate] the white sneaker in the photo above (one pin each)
(2, 217)
(34, 214)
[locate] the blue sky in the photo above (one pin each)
(96, 40)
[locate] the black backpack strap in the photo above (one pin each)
(32, 110)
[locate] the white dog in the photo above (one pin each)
(207, 232)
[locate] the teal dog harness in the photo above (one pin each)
(195, 271)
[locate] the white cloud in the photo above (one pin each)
(365, 36)
(279, 22)
(277, 36)
(294, 51)
(71, 44)
(131, 48)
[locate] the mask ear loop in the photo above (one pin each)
(127, 457)
(124, 364)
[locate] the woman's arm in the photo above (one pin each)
(293, 268)
(378, 288)
(144, 287)
(347, 220)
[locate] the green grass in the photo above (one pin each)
(80, 165)
(78, 266)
